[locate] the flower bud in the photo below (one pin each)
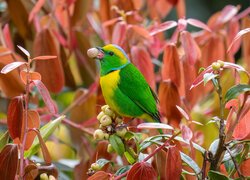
(44, 176)
(100, 115)
(103, 108)
(99, 134)
(106, 136)
(110, 148)
(51, 177)
(105, 120)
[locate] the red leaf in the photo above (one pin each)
(162, 27)
(227, 14)
(7, 36)
(119, 33)
(233, 29)
(174, 164)
(244, 168)
(33, 122)
(233, 103)
(100, 175)
(46, 96)
(200, 77)
(191, 49)
(183, 112)
(44, 57)
(198, 24)
(237, 37)
(9, 161)
(142, 171)
(10, 67)
(142, 60)
(39, 4)
(242, 130)
(169, 97)
(15, 117)
(51, 71)
(171, 64)
(186, 132)
(32, 76)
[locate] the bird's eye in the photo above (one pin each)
(111, 53)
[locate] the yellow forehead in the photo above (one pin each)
(117, 50)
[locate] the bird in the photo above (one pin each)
(123, 86)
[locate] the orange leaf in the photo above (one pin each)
(51, 71)
(169, 98)
(39, 4)
(32, 76)
(142, 171)
(242, 130)
(33, 122)
(143, 62)
(171, 65)
(246, 42)
(174, 164)
(119, 33)
(7, 37)
(44, 57)
(100, 175)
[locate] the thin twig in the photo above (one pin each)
(235, 163)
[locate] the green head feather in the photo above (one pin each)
(112, 57)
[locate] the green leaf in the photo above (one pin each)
(4, 139)
(213, 146)
(215, 175)
(102, 162)
(190, 162)
(45, 131)
(209, 76)
(117, 144)
(129, 157)
(122, 170)
(236, 90)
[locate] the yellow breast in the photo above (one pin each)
(109, 83)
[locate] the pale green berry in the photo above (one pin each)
(51, 177)
(216, 66)
(100, 115)
(106, 136)
(95, 166)
(106, 120)
(110, 148)
(99, 134)
(221, 63)
(103, 108)
(44, 176)
(121, 131)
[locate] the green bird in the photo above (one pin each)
(123, 86)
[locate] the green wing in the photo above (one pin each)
(133, 84)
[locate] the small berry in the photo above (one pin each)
(121, 131)
(103, 108)
(105, 120)
(92, 52)
(51, 177)
(216, 66)
(99, 134)
(95, 166)
(110, 148)
(44, 176)
(106, 136)
(100, 115)
(221, 63)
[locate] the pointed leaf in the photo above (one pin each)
(24, 51)
(44, 57)
(237, 37)
(45, 132)
(208, 77)
(11, 66)
(236, 90)
(191, 49)
(46, 96)
(186, 133)
(183, 112)
(4, 139)
(9, 161)
(190, 162)
(119, 33)
(7, 37)
(15, 117)
(227, 13)
(154, 126)
(162, 27)
(39, 4)
(198, 24)
(174, 164)
(242, 130)
(171, 64)
(117, 144)
(142, 170)
(102, 162)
